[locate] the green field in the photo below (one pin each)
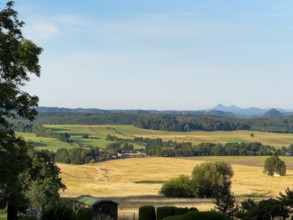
(99, 132)
(51, 144)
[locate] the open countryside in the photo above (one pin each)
(135, 182)
(98, 133)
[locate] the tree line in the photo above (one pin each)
(214, 123)
(164, 122)
(158, 147)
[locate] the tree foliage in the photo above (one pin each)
(18, 62)
(210, 177)
(181, 186)
(274, 165)
(41, 180)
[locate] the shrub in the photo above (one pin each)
(193, 209)
(84, 214)
(173, 218)
(59, 210)
(165, 211)
(180, 211)
(147, 213)
(209, 215)
(179, 187)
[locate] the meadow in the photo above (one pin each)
(51, 144)
(98, 133)
(135, 182)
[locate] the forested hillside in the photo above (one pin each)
(165, 122)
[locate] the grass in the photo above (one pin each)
(51, 144)
(3, 215)
(135, 182)
(98, 133)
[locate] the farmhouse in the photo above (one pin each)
(101, 209)
(132, 155)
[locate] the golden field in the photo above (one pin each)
(119, 180)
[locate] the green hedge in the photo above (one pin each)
(181, 211)
(179, 217)
(209, 215)
(193, 209)
(84, 214)
(165, 211)
(147, 213)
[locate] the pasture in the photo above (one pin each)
(98, 133)
(136, 182)
(51, 144)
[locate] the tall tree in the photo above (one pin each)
(274, 165)
(211, 177)
(18, 60)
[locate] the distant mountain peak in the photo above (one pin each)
(273, 113)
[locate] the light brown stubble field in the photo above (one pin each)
(117, 180)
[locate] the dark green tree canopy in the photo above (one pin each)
(18, 59)
(27, 177)
(274, 165)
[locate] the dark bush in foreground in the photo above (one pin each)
(181, 211)
(179, 217)
(84, 214)
(59, 210)
(193, 209)
(165, 211)
(211, 215)
(147, 213)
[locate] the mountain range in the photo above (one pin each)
(219, 110)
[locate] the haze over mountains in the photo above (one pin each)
(219, 110)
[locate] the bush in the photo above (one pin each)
(84, 214)
(180, 211)
(173, 218)
(179, 187)
(165, 211)
(193, 209)
(59, 210)
(210, 215)
(147, 213)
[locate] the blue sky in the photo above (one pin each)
(161, 54)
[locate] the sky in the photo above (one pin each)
(161, 54)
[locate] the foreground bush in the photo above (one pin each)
(59, 211)
(147, 213)
(209, 215)
(181, 211)
(199, 216)
(165, 211)
(84, 214)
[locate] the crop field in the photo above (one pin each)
(97, 134)
(136, 182)
(51, 144)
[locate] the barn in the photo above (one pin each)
(102, 209)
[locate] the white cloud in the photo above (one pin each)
(41, 30)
